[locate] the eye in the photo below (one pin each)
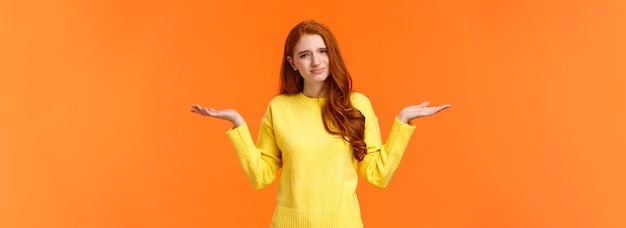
(304, 55)
(323, 51)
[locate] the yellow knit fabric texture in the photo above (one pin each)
(317, 185)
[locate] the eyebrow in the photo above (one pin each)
(309, 51)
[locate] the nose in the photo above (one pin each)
(315, 59)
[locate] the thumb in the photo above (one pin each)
(423, 104)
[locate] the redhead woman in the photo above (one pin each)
(319, 132)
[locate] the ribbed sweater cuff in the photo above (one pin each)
(241, 140)
(400, 135)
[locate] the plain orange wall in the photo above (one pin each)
(95, 128)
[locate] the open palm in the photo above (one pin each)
(415, 111)
(227, 114)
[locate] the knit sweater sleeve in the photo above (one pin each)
(260, 162)
(382, 160)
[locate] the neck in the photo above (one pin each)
(315, 91)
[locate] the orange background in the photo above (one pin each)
(95, 128)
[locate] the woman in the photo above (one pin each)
(318, 131)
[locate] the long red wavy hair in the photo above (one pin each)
(339, 115)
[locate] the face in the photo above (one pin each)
(310, 59)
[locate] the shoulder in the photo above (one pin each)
(282, 100)
(363, 104)
(359, 100)
(277, 103)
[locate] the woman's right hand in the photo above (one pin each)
(227, 114)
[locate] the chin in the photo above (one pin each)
(319, 78)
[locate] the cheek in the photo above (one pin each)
(325, 58)
(300, 64)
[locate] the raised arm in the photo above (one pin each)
(260, 162)
(382, 160)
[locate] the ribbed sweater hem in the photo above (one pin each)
(345, 217)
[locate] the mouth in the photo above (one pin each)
(317, 71)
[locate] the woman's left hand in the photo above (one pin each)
(415, 111)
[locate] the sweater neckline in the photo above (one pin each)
(313, 101)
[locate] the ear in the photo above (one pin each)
(290, 60)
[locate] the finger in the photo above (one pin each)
(199, 111)
(445, 106)
(205, 111)
(441, 108)
(423, 104)
(210, 110)
(196, 110)
(196, 107)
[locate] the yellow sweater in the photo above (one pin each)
(317, 185)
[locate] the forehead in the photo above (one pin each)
(309, 42)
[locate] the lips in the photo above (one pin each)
(317, 71)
